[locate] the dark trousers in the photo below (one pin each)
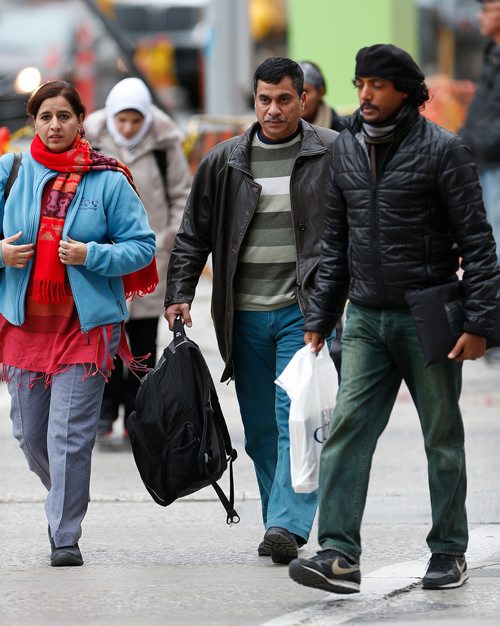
(123, 384)
(380, 348)
(336, 349)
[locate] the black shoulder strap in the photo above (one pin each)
(218, 417)
(161, 161)
(18, 157)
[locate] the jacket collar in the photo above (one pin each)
(310, 144)
(409, 115)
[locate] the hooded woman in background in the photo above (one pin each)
(146, 139)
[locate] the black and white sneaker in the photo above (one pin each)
(445, 571)
(328, 570)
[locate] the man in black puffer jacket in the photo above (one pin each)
(406, 207)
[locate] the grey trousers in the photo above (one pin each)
(56, 428)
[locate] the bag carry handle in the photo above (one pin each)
(228, 504)
(179, 332)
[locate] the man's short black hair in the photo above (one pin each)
(274, 69)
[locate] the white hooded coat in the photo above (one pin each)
(164, 199)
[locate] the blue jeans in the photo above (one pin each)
(379, 350)
(264, 343)
(490, 183)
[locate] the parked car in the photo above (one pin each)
(52, 40)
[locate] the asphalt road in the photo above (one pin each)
(145, 564)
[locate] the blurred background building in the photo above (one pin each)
(198, 56)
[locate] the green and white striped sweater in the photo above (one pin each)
(266, 274)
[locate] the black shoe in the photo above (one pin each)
(263, 550)
(328, 570)
(445, 571)
(52, 544)
(66, 556)
(282, 545)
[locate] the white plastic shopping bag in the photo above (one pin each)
(310, 380)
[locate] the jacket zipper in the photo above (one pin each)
(297, 275)
(374, 223)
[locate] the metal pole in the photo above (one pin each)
(228, 85)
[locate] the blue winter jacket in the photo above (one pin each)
(105, 213)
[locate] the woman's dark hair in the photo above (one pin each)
(53, 89)
(274, 69)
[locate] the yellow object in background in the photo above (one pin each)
(266, 17)
(16, 141)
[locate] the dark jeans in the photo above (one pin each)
(336, 349)
(123, 385)
(379, 350)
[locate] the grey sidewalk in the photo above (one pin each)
(184, 565)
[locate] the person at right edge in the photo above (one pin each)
(481, 130)
(406, 206)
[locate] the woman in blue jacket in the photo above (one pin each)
(76, 241)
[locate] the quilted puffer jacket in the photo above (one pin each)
(408, 229)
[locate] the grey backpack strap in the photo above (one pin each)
(18, 157)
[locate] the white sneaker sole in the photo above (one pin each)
(453, 585)
(310, 577)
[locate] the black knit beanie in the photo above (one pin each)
(387, 61)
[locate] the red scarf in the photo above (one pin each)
(49, 272)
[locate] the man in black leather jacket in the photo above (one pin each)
(256, 205)
(406, 206)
